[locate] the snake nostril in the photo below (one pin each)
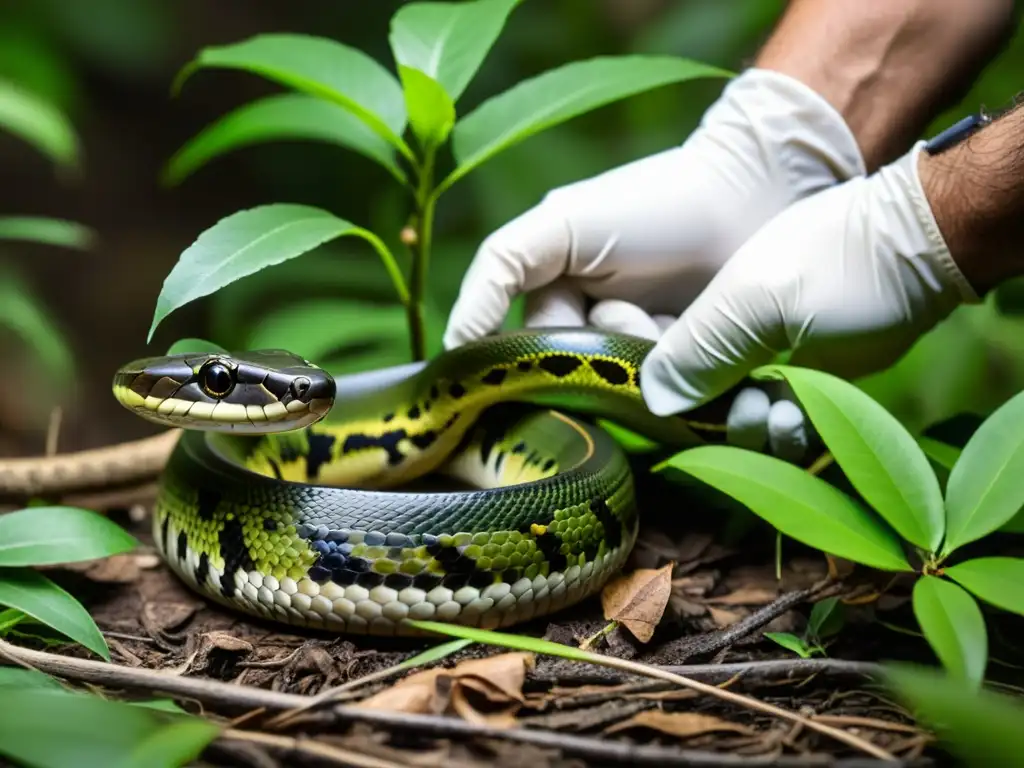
(300, 387)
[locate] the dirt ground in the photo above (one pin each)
(511, 710)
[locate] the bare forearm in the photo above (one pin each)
(976, 192)
(888, 66)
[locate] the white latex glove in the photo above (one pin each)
(654, 232)
(848, 279)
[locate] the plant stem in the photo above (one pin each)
(426, 202)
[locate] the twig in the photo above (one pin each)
(244, 698)
(53, 430)
(309, 748)
(705, 644)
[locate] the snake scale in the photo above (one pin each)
(296, 497)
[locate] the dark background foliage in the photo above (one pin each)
(110, 65)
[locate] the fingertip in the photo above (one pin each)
(787, 431)
(618, 316)
(747, 422)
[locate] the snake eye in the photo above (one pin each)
(300, 386)
(216, 379)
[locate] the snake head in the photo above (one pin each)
(249, 393)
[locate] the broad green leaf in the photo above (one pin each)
(982, 728)
(943, 454)
(996, 580)
(879, 456)
(38, 123)
(802, 506)
(320, 67)
(282, 117)
(195, 346)
(52, 535)
(431, 111)
(21, 312)
(35, 595)
(318, 329)
(790, 643)
(40, 229)
(986, 487)
(1015, 524)
(448, 41)
(9, 619)
(954, 627)
(246, 242)
(826, 618)
(559, 95)
(16, 677)
(50, 729)
(631, 442)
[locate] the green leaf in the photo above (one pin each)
(802, 506)
(986, 486)
(194, 346)
(9, 619)
(38, 123)
(320, 67)
(40, 229)
(954, 627)
(51, 535)
(16, 677)
(246, 242)
(943, 454)
(448, 41)
(21, 312)
(49, 729)
(879, 456)
(282, 117)
(436, 653)
(37, 596)
(631, 442)
(983, 728)
(506, 640)
(559, 95)
(318, 329)
(790, 643)
(826, 618)
(996, 580)
(431, 111)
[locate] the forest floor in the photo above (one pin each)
(488, 705)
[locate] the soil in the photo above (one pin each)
(592, 715)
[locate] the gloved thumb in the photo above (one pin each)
(717, 341)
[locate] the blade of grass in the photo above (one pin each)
(536, 645)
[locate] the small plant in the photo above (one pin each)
(903, 521)
(39, 536)
(401, 120)
(825, 621)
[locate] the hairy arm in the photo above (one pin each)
(888, 66)
(976, 192)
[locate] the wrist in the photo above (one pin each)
(888, 66)
(976, 192)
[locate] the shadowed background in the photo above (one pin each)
(109, 65)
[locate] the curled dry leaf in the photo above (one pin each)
(637, 600)
(746, 596)
(487, 691)
(680, 724)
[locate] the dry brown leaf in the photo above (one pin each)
(722, 617)
(496, 681)
(745, 596)
(680, 724)
(638, 600)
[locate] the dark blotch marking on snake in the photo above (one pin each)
(424, 440)
(275, 468)
(319, 453)
(560, 365)
(524, 365)
(456, 390)
(207, 501)
(548, 465)
(203, 569)
(182, 545)
(610, 371)
(414, 412)
(388, 441)
(163, 533)
(495, 376)
(269, 524)
(612, 526)
(235, 553)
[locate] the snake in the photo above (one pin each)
(476, 488)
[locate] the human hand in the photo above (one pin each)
(848, 279)
(654, 232)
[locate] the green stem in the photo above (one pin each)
(426, 202)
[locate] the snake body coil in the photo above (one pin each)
(308, 527)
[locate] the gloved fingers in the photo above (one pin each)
(664, 322)
(528, 253)
(747, 422)
(727, 332)
(788, 433)
(620, 316)
(558, 305)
